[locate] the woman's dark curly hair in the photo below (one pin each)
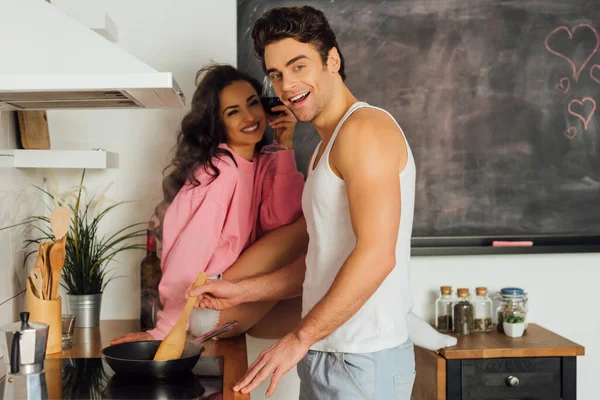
(202, 131)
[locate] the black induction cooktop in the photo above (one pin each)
(92, 378)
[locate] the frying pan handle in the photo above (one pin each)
(215, 332)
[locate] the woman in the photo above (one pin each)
(222, 195)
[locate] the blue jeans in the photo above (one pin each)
(384, 375)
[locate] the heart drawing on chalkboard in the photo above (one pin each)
(571, 132)
(564, 85)
(590, 114)
(576, 71)
(592, 69)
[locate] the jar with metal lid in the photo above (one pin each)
(512, 303)
(482, 311)
(462, 316)
(443, 309)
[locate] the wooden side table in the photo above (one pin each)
(492, 366)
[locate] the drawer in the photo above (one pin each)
(533, 378)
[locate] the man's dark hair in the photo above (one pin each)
(304, 24)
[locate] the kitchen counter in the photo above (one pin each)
(88, 342)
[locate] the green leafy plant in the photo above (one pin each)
(87, 254)
(512, 319)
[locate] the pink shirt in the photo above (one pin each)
(207, 227)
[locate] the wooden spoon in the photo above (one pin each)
(172, 345)
(60, 221)
(56, 262)
(36, 282)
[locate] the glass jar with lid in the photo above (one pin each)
(462, 313)
(482, 311)
(512, 303)
(443, 310)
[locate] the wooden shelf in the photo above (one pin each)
(89, 159)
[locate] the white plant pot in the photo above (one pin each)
(513, 330)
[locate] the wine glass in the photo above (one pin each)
(269, 100)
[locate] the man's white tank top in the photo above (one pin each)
(382, 321)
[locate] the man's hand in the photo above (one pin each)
(132, 337)
(277, 360)
(217, 294)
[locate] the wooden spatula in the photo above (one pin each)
(56, 262)
(39, 265)
(60, 220)
(172, 345)
(36, 280)
(48, 272)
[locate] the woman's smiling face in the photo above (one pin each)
(243, 115)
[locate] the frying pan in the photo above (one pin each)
(137, 358)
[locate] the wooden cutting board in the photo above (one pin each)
(33, 128)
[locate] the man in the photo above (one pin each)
(358, 201)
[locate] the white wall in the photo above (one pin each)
(181, 36)
(18, 201)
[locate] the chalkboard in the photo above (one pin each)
(498, 102)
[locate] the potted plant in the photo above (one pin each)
(513, 325)
(85, 274)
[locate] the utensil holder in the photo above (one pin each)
(49, 312)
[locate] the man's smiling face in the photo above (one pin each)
(299, 77)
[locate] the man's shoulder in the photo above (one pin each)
(369, 112)
(369, 137)
(370, 123)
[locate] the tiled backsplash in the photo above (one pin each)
(18, 201)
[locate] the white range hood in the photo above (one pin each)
(50, 61)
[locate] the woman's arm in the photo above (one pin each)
(283, 283)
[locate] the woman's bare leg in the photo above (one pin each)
(277, 248)
(274, 250)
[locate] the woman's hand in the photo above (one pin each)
(132, 337)
(284, 126)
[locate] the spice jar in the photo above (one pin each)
(482, 311)
(463, 313)
(512, 304)
(443, 309)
